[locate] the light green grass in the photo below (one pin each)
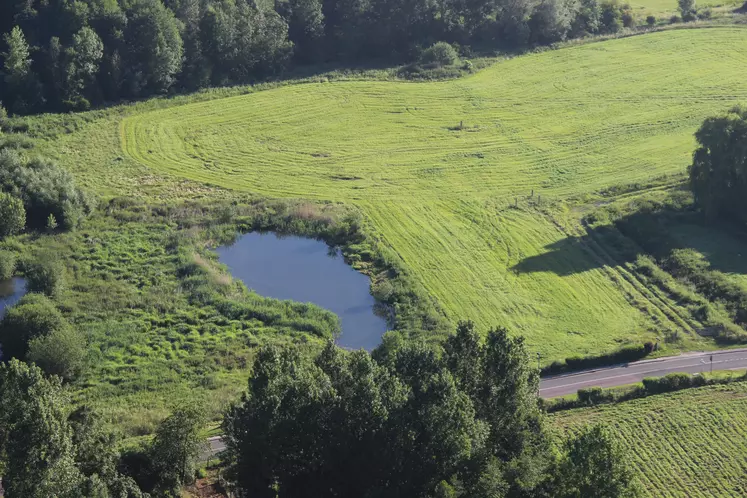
(663, 9)
(562, 123)
(691, 443)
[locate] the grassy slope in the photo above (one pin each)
(687, 444)
(562, 123)
(663, 9)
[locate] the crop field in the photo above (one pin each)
(687, 444)
(469, 181)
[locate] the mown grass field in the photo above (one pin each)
(691, 443)
(437, 167)
(663, 9)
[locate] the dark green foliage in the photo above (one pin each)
(33, 317)
(62, 352)
(12, 215)
(440, 54)
(594, 465)
(43, 453)
(153, 53)
(717, 173)
(35, 440)
(622, 355)
(414, 422)
(593, 396)
(673, 382)
(7, 265)
(175, 449)
(63, 55)
(46, 274)
(651, 20)
(45, 188)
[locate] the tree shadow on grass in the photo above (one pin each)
(599, 247)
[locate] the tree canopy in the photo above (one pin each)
(64, 55)
(718, 173)
(411, 421)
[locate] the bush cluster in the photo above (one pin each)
(623, 355)
(594, 396)
(45, 189)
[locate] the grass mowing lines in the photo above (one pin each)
(687, 444)
(434, 165)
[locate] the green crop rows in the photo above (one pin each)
(687, 444)
(436, 168)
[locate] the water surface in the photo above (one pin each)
(306, 270)
(11, 291)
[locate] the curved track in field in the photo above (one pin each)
(560, 123)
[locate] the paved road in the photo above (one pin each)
(630, 373)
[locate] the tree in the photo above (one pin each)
(175, 449)
(84, 58)
(34, 436)
(62, 352)
(687, 9)
(7, 265)
(595, 465)
(24, 93)
(440, 54)
(414, 423)
(154, 47)
(305, 22)
(34, 316)
(551, 20)
(718, 173)
(46, 275)
(12, 215)
(45, 188)
(17, 58)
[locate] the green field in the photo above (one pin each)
(436, 168)
(663, 9)
(687, 444)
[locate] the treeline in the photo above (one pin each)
(59, 55)
(462, 420)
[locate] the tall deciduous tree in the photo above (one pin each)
(594, 465)
(175, 450)
(35, 439)
(154, 47)
(718, 174)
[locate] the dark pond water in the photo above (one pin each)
(11, 291)
(305, 270)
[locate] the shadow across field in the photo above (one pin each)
(598, 248)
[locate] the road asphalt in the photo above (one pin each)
(630, 373)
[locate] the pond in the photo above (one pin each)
(11, 291)
(306, 270)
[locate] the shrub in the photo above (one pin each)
(705, 13)
(674, 19)
(627, 19)
(594, 396)
(34, 316)
(623, 355)
(44, 188)
(61, 352)
(12, 215)
(7, 265)
(46, 275)
(441, 54)
(651, 20)
(672, 382)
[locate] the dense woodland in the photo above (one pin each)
(59, 55)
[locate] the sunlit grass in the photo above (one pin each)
(691, 443)
(436, 168)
